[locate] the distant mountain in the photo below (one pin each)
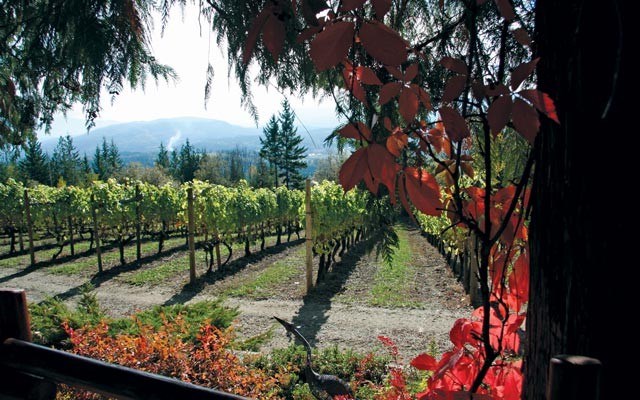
(140, 139)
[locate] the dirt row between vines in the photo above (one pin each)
(338, 312)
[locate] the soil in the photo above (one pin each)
(337, 312)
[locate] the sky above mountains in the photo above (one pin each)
(187, 46)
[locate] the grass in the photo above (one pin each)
(265, 283)
(392, 281)
(178, 265)
(111, 257)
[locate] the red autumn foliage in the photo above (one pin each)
(377, 62)
(207, 362)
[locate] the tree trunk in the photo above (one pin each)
(578, 259)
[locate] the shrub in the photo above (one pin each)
(207, 360)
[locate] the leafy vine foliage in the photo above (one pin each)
(425, 116)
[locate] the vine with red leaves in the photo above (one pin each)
(423, 151)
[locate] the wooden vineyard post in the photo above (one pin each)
(27, 210)
(308, 233)
(190, 236)
(71, 241)
(574, 378)
(217, 246)
(138, 250)
(14, 323)
(96, 233)
(473, 270)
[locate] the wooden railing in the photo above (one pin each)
(31, 371)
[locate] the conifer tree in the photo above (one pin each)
(270, 148)
(65, 162)
(292, 152)
(35, 164)
(162, 159)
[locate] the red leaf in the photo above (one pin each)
(411, 72)
(448, 360)
(521, 72)
(307, 34)
(254, 32)
(542, 102)
(383, 43)
(454, 124)
(408, 105)
(371, 183)
(368, 77)
(331, 45)
(522, 36)
(311, 8)
(499, 113)
(381, 7)
(525, 119)
(506, 10)
(389, 91)
(479, 90)
(454, 88)
(424, 362)
(435, 136)
(397, 142)
(273, 35)
(383, 166)
(423, 190)
(358, 131)
(395, 72)
(353, 170)
(355, 87)
(424, 97)
(349, 5)
(386, 122)
(497, 90)
(455, 65)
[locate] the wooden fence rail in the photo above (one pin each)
(29, 370)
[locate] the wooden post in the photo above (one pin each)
(217, 246)
(71, 243)
(573, 378)
(190, 236)
(96, 233)
(14, 323)
(138, 217)
(473, 270)
(27, 210)
(14, 315)
(308, 233)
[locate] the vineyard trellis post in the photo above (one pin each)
(96, 232)
(27, 210)
(71, 240)
(574, 377)
(308, 235)
(217, 247)
(137, 199)
(190, 236)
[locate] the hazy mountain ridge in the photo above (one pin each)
(144, 137)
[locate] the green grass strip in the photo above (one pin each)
(266, 282)
(393, 281)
